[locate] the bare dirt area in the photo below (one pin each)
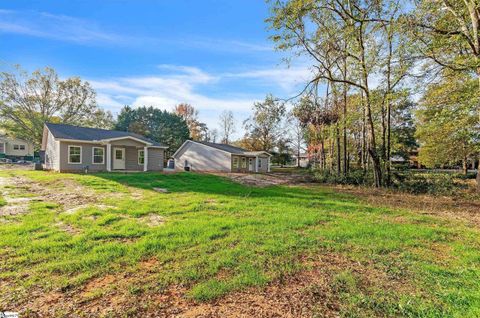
(266, 179)
(312, 292)
(458, 208)
(16, 166)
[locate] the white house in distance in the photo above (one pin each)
(73, 148)
(14, 148)
(213, 157)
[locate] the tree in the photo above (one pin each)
(448, 128)
(447, 32)
(227, 126)
(297, 135)
(196, 128)
(265, 125)
(345, 40)
(159, 125)
(31, 100)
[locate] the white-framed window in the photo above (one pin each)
(244, 163)
(75, 154)
(141, 157)
(235, 162)
(98, 155)
(18, 147)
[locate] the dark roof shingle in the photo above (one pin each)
(63, 131)
(224, 147)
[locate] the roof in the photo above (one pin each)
(63, 131)
(223, 147)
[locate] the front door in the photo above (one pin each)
(251, 164)
(119, 158)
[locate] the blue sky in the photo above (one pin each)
(213, 54)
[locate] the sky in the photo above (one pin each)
(214, 54)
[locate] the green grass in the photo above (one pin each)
(220, 236)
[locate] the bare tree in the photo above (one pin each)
(31, 100)
(227, 126)
(297, 136)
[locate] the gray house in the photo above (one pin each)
(208, 156)
(73, 148)
(14, 148)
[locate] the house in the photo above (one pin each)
(73, 148)
(302, 161)
(16, 149)
(208, 156)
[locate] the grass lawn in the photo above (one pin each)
(211, 237)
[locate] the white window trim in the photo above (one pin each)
(16, 147)
(68, 154)
(93, 156)
(138, 157)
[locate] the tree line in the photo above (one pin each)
(386, 75)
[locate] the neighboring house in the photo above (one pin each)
(301, 161)
(16, 149)
(208, 156)
(73, 148)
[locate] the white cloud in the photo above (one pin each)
(176, 84)
(58, 27)
(86, 32)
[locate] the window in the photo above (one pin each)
(18, 147)
(235, 162)
(141, 157)
(118, 154)
(74, 154)
(259, 162)
(98, 155)
(244, 163)
(22, 147)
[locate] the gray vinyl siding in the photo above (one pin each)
(51, 153)
(155, 159)
(265, 161)
(131, 158)
(202, 158)
(87, 149)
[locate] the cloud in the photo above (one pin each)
(174, 84)
(86, 32)
(58, 27)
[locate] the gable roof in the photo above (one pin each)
(63, 131)
(223, 147)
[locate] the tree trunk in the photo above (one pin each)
(345, 92)
(339, 165)
(465, 166)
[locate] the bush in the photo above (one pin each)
(354, 177)
(426, 183)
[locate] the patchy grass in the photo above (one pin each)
(214, 237)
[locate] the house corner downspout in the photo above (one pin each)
(109, 157)
(145, 159)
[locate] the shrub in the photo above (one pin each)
(426, 183)
(354, 177)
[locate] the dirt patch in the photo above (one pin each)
(161, 190)
(266, 179)
(152, 219)
(85, 206)
(312, 292)
(461, 209)
(67, 228)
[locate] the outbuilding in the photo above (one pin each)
(215, 157)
